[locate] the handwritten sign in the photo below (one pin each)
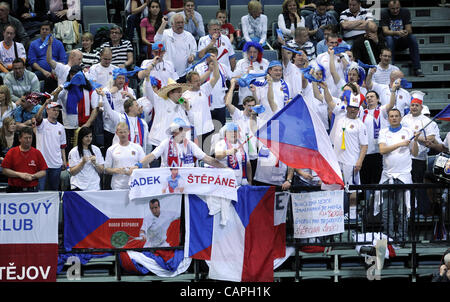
(318, 213)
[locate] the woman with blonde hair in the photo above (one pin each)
(254, 24)
(7, 106)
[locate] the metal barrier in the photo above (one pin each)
(359, 230)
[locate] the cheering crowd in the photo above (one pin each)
(99, 112)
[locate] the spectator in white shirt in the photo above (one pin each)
(180, 45)
(9, 49)
(254, 24)
(62, 70)
(384, 68)
(102, 73)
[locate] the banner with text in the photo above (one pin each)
(29, 236)
(145, 183)
(318, 213)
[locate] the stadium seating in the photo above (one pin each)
(208, 12)
(93, 2)
(93, 27)
(94, 14)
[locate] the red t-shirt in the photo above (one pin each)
(30, 162)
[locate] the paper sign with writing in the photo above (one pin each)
(145, 183)
(318, 213)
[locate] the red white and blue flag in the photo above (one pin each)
(29, 237)
(242, 240)
(444, 114)
(108, 219)
(297, 137)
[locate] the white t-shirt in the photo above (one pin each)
(101, 75)
(278, 97)
(293, 77)
(372, 124)
(199, 115)
(118, 156)
(383, 76)
(237, 161)
(241, 70)
(186, 153)
(219, 91)
(50, 140)
(223, 43)
(399, 161)
(138, 127)
(118, 99)
(61, 71)
(355, 137)
(416, 123)
(165, 111)
(162, 71)
(7, 55)
(324, 60)
(403, 99)
(87, 178)
(178, 48)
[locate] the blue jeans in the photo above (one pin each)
(410, 42)
(51, 179)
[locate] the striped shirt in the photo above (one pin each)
(308, 47)
(383, 76)
(120, 52)
(346, 15)
(90, 58)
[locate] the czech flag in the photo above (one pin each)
(107, 219)
(296, 136)
(444, 115)
(244, 246)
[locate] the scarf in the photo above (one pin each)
(284, 87)
(140, 134)
(376, 121)
(232, 161)
(255, 29)
(318, 21)
(396, 129)
(172, 155)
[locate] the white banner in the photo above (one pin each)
(145, 183)
(29, 218)
(318, 213)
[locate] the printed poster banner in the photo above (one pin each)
(107, 219)
(145, 183)
(29, 237)
(318, 213)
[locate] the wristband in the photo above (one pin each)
(139, 165)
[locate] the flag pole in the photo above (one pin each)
(432, 120)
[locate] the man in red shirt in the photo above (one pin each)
(24, 165)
